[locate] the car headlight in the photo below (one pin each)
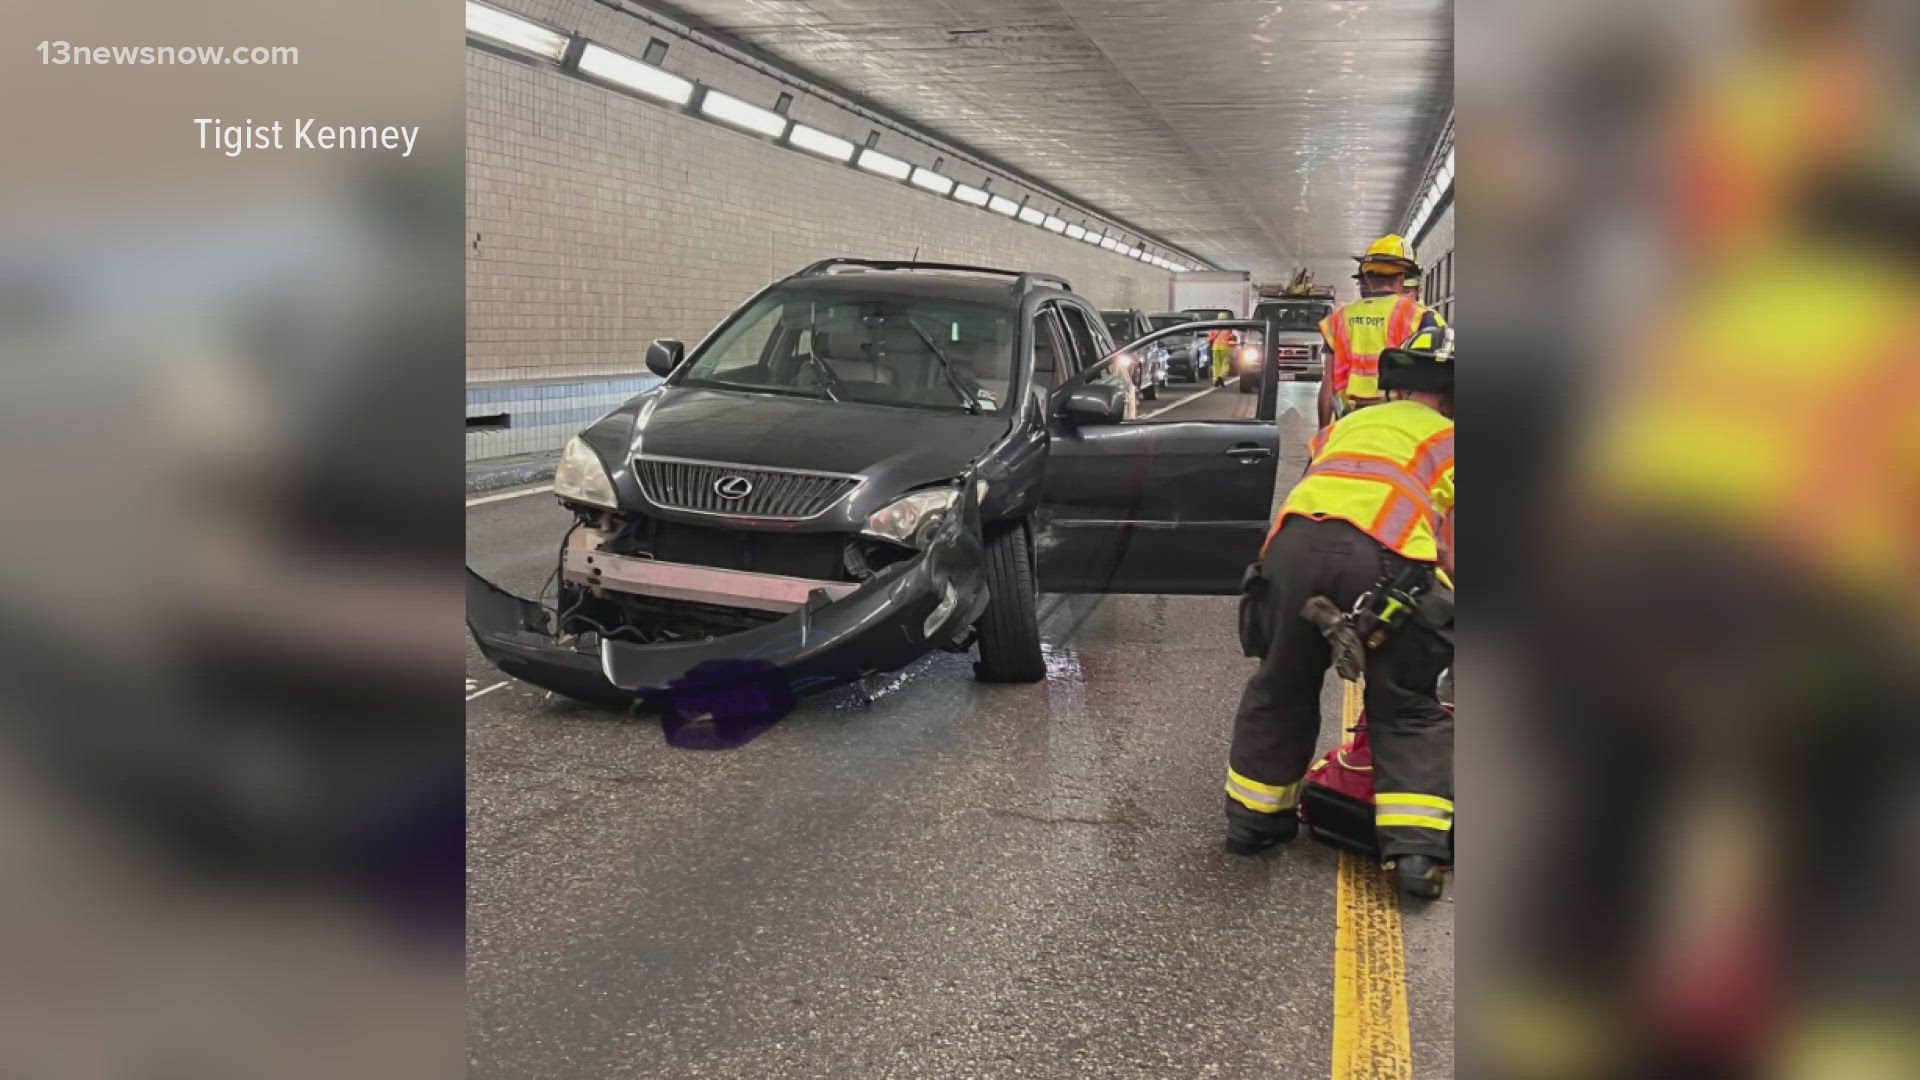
(581, 477)
(912, 518)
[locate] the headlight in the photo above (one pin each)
(581, 477)
(912, 518)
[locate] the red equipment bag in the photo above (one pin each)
(1337, 805)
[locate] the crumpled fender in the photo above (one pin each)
(879, 628)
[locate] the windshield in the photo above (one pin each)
(1161, 322)
(1208, 314)
(878, 348)
(1294, 316)
(1119, 326)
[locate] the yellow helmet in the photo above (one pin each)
(1390, 254)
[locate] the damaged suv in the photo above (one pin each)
(868, 461)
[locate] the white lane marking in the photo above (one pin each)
(1175, 405)
(488, 690)
(503, 496)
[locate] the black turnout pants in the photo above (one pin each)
(1279, 718)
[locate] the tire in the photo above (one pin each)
(1248, 386)
(1010, 627)
(1151, 392)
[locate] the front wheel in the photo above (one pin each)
(1248, 384)
(1010, 627)
(1151, 392)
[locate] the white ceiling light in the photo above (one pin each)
(1000, 204)
(1031, 216)
(1093, 238)
(932, 181)
(819, 142)
(1075, 232)
(634, 75)
(972, 196)
(876, 162)
(1054, 224)
(730, 109)
(496, 25)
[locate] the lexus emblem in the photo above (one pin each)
(733, 487)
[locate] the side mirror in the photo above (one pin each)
(1096, 403)
(664, 355)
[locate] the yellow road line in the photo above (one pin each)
(1371, 1036)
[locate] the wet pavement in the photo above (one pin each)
(947, 880)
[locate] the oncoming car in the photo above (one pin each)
(865, 462)
(1148, 367)
(1188, 358)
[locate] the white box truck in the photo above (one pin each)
(1214, 291)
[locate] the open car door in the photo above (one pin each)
(1155, 504)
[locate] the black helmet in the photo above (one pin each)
(1425, 362)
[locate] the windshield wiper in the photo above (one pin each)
(946, 368)
(833, 380)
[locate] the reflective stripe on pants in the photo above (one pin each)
(1262, 798)
(1414, 811)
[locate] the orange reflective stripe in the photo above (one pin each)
(1385, 472)
(1433, 457)
(1403, 322)
(1341, 339)
(1395, 523)
(1317, 444)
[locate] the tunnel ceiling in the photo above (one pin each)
(1260, 134)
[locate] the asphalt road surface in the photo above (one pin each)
(948, 880)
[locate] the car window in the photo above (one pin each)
(1119, 325)
(878, 348)
(1294, 316)
(1086, 343)
(1046, 351)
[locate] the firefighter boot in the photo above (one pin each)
(1249, 833)
(1417, 875)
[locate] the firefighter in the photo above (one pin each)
(1383, 318)
(1410, 285)
(1223, 342)
(1376, 499)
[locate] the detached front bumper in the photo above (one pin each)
(883, 624)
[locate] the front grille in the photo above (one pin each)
(773, 494)
(820, 556)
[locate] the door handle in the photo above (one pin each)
(1248, 453)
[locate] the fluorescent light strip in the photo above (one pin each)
(1075, 232)
(819, 142)
(1093, 238)
(972, 196)
(876, 162)
(741, 114)
(626, 71)
(1031, 216)
(1000, 204)
(496, 25)
(932, 181)
(1055, 224)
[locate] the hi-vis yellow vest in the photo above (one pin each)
(1388, 470)
(1359, 332)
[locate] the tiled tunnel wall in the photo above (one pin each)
(597, 222)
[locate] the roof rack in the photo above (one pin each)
(1022, 280)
